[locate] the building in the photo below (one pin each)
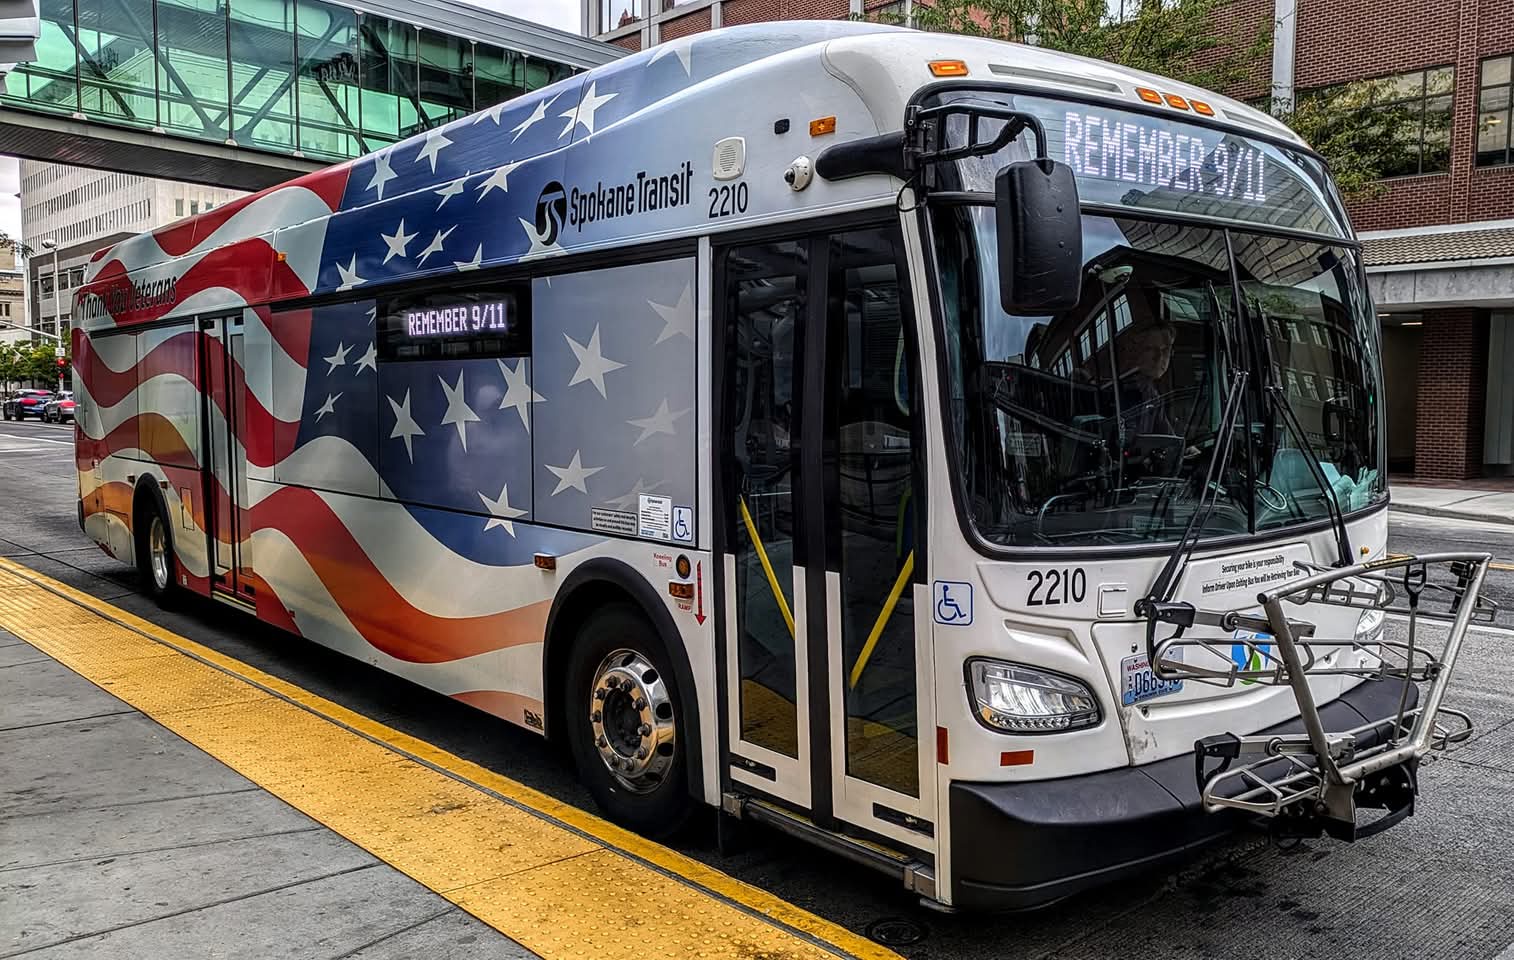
(81, 210)
(12, 299)
(1438, 239)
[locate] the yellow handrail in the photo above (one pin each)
(767, 566)
(882, 621)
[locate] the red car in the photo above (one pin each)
(26, 403)
(59, 408)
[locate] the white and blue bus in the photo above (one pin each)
(956, 453)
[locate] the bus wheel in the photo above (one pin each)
(155, 558)
(623, 714)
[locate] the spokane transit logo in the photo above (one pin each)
(551, 211)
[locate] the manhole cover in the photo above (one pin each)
(895, 932)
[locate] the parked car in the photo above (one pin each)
(59, 408)
(26, 403)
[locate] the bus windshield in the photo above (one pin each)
(1097, 425)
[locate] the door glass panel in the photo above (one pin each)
(870, 496)
(766, 290)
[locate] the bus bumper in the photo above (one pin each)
(1018, 846)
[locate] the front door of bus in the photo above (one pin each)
(819, 528)
(224, 410)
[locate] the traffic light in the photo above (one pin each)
(20, 29)
(61, 364)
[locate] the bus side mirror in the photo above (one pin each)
(1040, 237)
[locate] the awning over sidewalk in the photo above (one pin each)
(1466, 265)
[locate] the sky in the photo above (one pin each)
(562, 14)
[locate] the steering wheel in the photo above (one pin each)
(1272, 498)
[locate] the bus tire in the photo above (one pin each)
(157, 564)
(623, 717)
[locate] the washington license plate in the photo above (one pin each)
(1139, 682)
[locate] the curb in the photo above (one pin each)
(1450, 514)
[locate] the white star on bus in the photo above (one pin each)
(677, 320)
(348, 275)
(540, 113)
(659, 422)
(502, 512)
(398, 242)
(382, 173)
(451, 189)
(338, 359)
(592, 364)
(435, 143)
(573, 475)
(405, 426)
(369, 359)
(518, 392)
(458, 414)
(328, 407)
(583, 114)
(435, 246)
(498, 180)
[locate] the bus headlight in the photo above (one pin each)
(1369, 628)
(1020, 699)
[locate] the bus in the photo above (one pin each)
(932, 447)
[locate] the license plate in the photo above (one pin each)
(1138, 682)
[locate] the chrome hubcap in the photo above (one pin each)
(631, 715)
(157, 553)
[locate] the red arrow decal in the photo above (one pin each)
(699, 591)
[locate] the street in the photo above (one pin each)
(1437, 886)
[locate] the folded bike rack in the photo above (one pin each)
(1314, 782)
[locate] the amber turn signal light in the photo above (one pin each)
(948, 68)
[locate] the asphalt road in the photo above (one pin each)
(1439, 885)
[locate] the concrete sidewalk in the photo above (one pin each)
(1485, 505)
(120, 839)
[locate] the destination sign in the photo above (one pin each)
(456, 319)
(1148, 153)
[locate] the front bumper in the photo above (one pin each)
(1017, 846)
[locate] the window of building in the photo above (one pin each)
(5, 308)
(1415, 108)
(178, 206)
(194, 207)
(1495, 111)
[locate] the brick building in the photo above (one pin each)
(1438, 240)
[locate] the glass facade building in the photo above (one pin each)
(292, 76)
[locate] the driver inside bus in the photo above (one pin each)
(1152, 438)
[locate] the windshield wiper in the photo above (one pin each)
(1317, 471)
(1158, 606)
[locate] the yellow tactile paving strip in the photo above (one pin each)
(558, 880)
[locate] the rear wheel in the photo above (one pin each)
(623, 716)
(155, 556)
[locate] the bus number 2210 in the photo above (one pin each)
(1053, 587)
(728, 199)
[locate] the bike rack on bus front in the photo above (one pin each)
(1315, 781)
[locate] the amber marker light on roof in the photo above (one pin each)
(1148, 94)
(1201, 107)
(822, 126)
(948, 68)
(1175, 101)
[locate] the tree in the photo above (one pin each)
(1178, 39)
(39, 364)
(8, 242)
(10, 365)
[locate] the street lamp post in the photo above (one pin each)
(57, 299)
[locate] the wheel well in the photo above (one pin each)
(589, 587)
(146, 497)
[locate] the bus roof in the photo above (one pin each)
(620, 154)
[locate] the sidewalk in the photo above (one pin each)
(161, 799)
(120, 839)
(1488, 500)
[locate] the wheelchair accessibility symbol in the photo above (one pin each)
(683, 524)
(953, 602)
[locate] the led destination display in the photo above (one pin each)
(491, 320)
(458, 318)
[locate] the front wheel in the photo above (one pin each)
(623, 716)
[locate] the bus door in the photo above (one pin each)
(819, 499)
(225, 467)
